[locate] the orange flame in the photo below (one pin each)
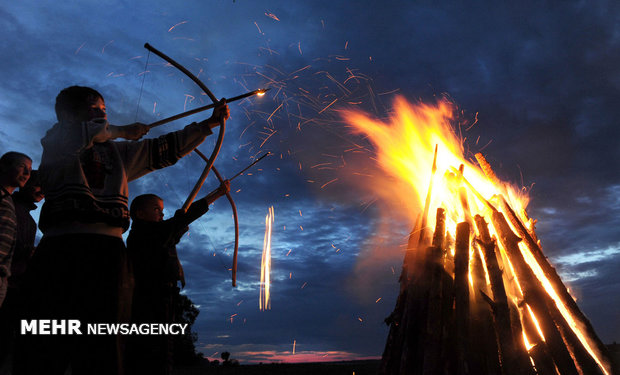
(404, 147)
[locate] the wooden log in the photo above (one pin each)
(414, 326)
(542, 361)
(393, 351)
(555, 281)
(484, 358)
(440, 229)
(390, 359)
(535, 296)
(432, 348)
(501, 313)
(402, 343)
(447, 317)
(404, 351)
(416, 315)
(538, 352)
(583, 360)
(517, 332)
(531, 241)
(420, 236)
(448, 259)
(461, 299)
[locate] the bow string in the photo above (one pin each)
(211, 159)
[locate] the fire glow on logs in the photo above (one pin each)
(478, 296)
(264, 301)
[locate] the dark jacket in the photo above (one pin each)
(152, 250)
(26, 233)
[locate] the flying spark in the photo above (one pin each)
(180, 23)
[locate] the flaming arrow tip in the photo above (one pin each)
(259, 92)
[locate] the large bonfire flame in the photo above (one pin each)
(420, 136)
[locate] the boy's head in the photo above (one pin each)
(79, 104)
(147, 207)
(32, 189)
(15, 170)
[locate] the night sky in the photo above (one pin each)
(542, 81)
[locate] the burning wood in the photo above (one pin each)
(531, 334)
(489, 303)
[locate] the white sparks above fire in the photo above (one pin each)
(264, 302)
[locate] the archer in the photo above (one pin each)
(80, 270)
(151, 247)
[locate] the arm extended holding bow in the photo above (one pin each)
(211, 159)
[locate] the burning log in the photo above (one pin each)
(584, 362)
(461, 291)
(508, 350)
(447, 310)
(557, 285)
(538, 352)
(427, 201)
(543, 363)
(530, 240)
(440, 229)
(485, 361)
(535, 296)
(405, 349)
(423, 319)
(404, 149)
(418, 238)
(434, 333)
(521, 353)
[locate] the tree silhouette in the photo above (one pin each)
(184, 350)
(227, 361)
(225, 356)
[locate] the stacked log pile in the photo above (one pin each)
(475, 305)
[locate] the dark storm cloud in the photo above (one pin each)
(313, 273)
(543, 79)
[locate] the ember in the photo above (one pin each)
(474, 298)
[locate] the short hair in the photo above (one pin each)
(138, 203)
(73, 98)
(11, 157)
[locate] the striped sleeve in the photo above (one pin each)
(8, 231)
(142, 157)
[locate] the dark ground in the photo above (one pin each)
(323, 368)
(614, 352)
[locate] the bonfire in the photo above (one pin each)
(477, 294)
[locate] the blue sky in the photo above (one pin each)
(542, 79)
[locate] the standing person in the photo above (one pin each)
(15, 170)
(80, 269)
(24, 200)
(151, 246)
